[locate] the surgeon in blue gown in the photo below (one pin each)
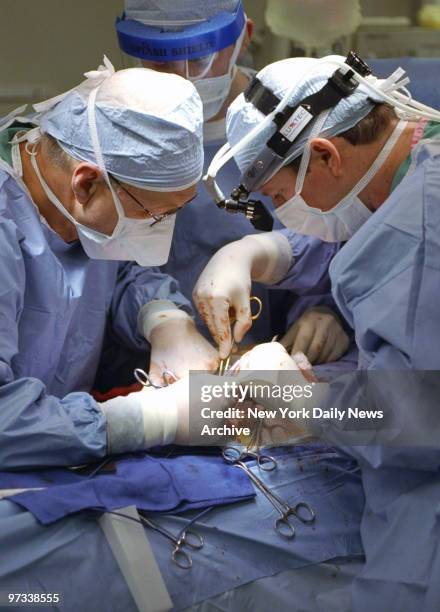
(74, 215)
(372, 179)
(171, 27)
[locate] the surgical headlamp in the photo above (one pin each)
(290, 121)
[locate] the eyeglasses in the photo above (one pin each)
(156, 218)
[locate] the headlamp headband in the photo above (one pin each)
(291, 121)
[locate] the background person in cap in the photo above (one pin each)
(94, 179)
(201, 41)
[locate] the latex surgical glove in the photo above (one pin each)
(223, 289)
(273, 356)
(269, 365)
(157, 417)
(319, 334)
(176, 344)
(267, 356)
(147, 418)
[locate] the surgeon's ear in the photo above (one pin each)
(325, 155)
(248, 35)
(85, 180)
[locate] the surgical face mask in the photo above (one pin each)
(144, 241)
(343, 220)
(336, 225)
(214, 91)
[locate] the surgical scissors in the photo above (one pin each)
(187, 537)
(145, 379)
(302, 510)
(235, 454)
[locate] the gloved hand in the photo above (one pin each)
(263, 365)
(319, 334)
(176, 344)
(268, 365)
(157, 417)
(267, 356)
(147, 418)
(225, 283)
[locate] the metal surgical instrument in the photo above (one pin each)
(302, 510)
(169, 377)
(187, 537)
(145, 379)
(235, 454)
(224, 363)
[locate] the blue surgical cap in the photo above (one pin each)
(307, 76)
(158, 12)
(149, 126)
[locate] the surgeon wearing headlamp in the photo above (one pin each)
(361, 169)
(364, 169)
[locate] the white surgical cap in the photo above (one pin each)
(149, 126)
(186, 12)
(309, 75)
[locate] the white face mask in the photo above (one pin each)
(144, 241)
(343, 220)
(214, 90)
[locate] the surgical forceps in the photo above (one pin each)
(187, 537)
(235, 454)
(302, 510)
(145, 379)
(224, 363)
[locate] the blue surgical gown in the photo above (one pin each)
(386, 279)
(386, 282)
(54, 306)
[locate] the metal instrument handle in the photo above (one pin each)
(303, 508)
(284, 528)
(181, 558)
(192, 539)
(266, 463)
(142, 377)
